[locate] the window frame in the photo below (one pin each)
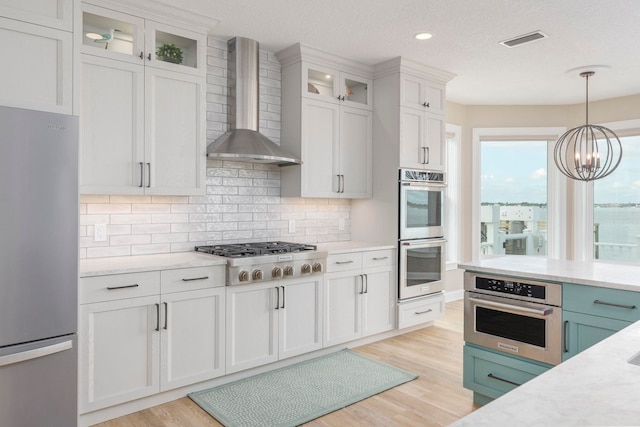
(453, 219)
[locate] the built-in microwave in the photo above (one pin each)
(421, 208)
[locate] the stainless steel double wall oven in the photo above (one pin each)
(421, 246)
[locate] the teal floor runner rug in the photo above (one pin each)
(299, 393)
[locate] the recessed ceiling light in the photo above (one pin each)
(328, 76)
(423, 36)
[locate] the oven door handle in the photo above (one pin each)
(422, 242)
(516, 308)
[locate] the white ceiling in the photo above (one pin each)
(466, 36)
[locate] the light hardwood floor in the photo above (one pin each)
(436, 398)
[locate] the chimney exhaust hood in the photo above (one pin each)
(243, 142)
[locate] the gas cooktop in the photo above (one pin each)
(241, 250)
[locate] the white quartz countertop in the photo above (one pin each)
(604, 275)
(352, 246)
(597, 387)
(140, 263)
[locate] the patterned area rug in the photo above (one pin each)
(299, 393)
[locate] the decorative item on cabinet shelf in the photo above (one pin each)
(169, 52)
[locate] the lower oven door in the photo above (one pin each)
(512, 326)
(421, 267)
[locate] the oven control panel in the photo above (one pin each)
(511, 287)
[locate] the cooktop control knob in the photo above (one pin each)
(243, 276)
(276, 272)
(317, 267)
(306, 268)
(288, 271)
(257, 275)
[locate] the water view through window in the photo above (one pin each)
(513, 190)
(616, 208)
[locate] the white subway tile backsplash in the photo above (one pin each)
(242, 201)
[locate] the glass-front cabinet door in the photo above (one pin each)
(130, 38)
(335, 86)
(112, 34)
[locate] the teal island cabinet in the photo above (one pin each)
(591, 314)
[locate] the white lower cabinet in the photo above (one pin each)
(272, 321)
(136, 341)
(359, 295)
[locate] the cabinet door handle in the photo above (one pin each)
(380, 258)
(366, 283)
(361, 284)
(111, 288)
(424, 155)
(425, 104)
(195, 278)
(277, 297)
(344, 262)
(283, 297)
(342, 191)
(565, 336)
(503, 380)
(141, 174)
(423, 312)
(166, 315)
(149, 57)
(611, 304)
(427, 156)
(141, 55)
(157, 317)
(149, 177)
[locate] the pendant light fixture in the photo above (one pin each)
(588, 152)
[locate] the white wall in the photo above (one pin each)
(242, 200)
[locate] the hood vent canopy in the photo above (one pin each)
(243, 142)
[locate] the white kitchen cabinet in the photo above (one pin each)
(136, 340)
(56, 14)
(359, 295)
(37, 66)
(329, 120)
(272, 321)
(422, 143)
(142, 127)
(422, 94)
(192, 337)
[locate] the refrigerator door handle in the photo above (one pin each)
(35, 353)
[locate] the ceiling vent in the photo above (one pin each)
(526, 38)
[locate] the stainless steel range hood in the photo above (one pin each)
(243, 142)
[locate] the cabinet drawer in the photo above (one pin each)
(605, 302)
(420, 311)
(189, 279)
(492, 374)
(344, 262)
(118, 286)
(377, 258)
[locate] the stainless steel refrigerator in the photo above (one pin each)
(38, 268)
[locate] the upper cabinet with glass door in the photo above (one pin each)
(336, 86)
(130, 38)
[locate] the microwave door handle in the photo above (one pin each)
(511, 307)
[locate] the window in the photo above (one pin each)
(616, 208)
(518, 204)
(513, 187)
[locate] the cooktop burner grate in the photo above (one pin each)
(241, 250)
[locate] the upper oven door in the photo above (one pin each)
(421, 210)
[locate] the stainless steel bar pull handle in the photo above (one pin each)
(157, 317)
(612, 304)
(344, 262)
(283, 297)
(566, 336)
(380, 258)
(423, 312)
(149, 176)
(141, 175)
(35, 353)
(166, 315)
(424, 155)
(277, 297)
(111, 288)
(427, 158)
(366, 283)
(515, 308)
(361, 284)
(195, 278)
(503, 380)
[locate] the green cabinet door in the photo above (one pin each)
(584, 330)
